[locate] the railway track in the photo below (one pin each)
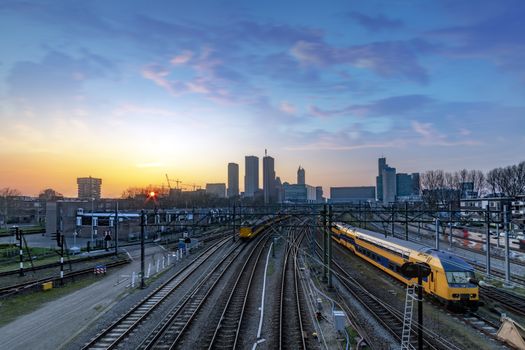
(111, 336)
(226, 333)
(509, 301)
(20, 287)
(480, 323)
(55, 264)
(495, 272)
(169, 333)
(389, 317)
(291, 299)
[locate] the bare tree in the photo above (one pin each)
(50, 194)
(478, 180)
(6, 200)
(492, 181)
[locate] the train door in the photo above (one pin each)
(432, 281)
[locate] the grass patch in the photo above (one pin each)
(17, 306)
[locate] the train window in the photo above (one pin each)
(459, 276)
(432, 276)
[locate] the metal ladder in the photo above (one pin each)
(407, 320)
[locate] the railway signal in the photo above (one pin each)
(420, 270)
(18, 234)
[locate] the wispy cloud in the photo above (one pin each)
(388, 58)
(375, 23)
(430, 136)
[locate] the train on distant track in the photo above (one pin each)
(451, 279)
(249, 230)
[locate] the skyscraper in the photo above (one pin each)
(251, 175)
(268, 179)
(389, 185)
(233, 180)
(301, 176)
(381, 164)
(89, 187)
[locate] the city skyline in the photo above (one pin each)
(131, 93)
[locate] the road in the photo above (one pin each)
(56, 322)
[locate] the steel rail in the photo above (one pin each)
(112, 335)
(170, 331)
(232, 315)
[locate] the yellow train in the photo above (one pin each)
(450, 280)
(248, 231)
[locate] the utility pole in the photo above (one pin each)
(330, 246)
(142, 227)
(233, 231)
(393, 215)
(420, 308)
(406, 221)
(364, 216)
(60, 239)
(18, 233)
(325, 245)
(487, 249)
(507, 258)
(116, 228)
(437, 233)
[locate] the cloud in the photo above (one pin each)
(496, 38)
(347, 139)
(429, 136)
(288, 108)
(57, 80)
(395, 105)
(388, 59)
(183, 58)
(376, 23)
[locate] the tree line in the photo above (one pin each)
(441, 187)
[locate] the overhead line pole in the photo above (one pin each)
(325, 245)
(329, 246)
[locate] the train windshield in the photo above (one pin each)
(459, 277)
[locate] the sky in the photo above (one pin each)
(129, 91)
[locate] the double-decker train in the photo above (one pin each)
(249, 230)
(450, 279)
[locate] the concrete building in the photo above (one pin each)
(352, 194)
(416, 184)
(301, 180)
(233, 180)
(269, 179)
(89, 187)
(217, 189)
(319, 194)
(389, 185)
(299, 193)
(251, 175)
(404, 185)
(467, 190)
(381, 164)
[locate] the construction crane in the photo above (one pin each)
(177, 182)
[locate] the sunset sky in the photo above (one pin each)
(131, 90)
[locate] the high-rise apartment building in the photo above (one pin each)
(89, 187)
(301, 176)
(251, 175)
(268, 179)
(233, 180)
